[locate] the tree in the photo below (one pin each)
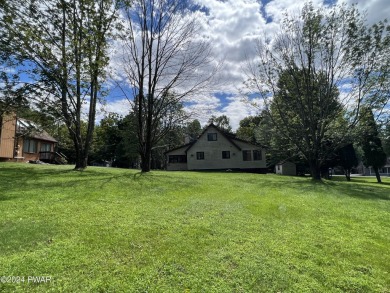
(373, 154)
(126, 152)
(106, 138)
(301, 71)
(347, 159)
(247, 128)
(193, 130)
(305, 113)
(165, 61)
(61, 45)
(386, 139)
(11, 96)
(222, 122)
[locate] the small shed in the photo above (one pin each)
(286, 168)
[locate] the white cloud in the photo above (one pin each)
(120, 106)
(376, 9)
(233, 26)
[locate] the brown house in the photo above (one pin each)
(22, 140)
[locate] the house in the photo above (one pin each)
(217, 150)
(22, 140)
(369, 171)
(286, 168)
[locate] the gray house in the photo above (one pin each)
(217, 150)
(369, 171)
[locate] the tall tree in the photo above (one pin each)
(193, 130)
(11, 95)
(247, 128)
(222, 122)
(386, 139)
(126, 152)
(301, 71)
(305, 111)
(347, 159)
(165, 61)
(106, 139)
(61, 45)
(373, 154)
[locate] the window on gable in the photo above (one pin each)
(200, 155)
(257, 155)
(225, 154)
(211, 136)
(247, 155)
(29, 146)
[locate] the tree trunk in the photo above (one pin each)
(378, 177)
(315, 171)
(347, 173)
(81, 161)
(145, 159)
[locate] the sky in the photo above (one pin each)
(233, 27)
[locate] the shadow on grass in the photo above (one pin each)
(364, 188)
(21, 179)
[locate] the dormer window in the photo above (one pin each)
(211, 136)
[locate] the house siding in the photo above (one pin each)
(177, 166)
(11, 143)
(213, 154)
(7, 139)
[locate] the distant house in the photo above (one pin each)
(369, 171)
(286, 168)
(217, 150)
(22, 140)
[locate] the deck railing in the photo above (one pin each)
(53, 157)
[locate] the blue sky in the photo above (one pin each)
(233, 26)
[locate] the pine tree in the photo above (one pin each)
(374, 154)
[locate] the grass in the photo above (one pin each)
(113, 230)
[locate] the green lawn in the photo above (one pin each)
(115, 230)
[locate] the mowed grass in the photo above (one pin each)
(116, 230)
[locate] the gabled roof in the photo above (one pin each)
(220, 131)
(30, 129)
(179, 147)
(229, 137)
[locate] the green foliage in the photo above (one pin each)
(301, 71)
(193, 129)
(115, 230)
(247, 128)
(222, 122)
(126, 151)
(305, 111)
(371, 143)
(61, 46)
(385, 137)
(106, 139)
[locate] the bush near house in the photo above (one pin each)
(115, 230)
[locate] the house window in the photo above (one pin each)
(173, 159)
(29, 146)
(246, 155)
(45, 147)
(211, 136)
(257, 156)
(200, 155)
(225, 154)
